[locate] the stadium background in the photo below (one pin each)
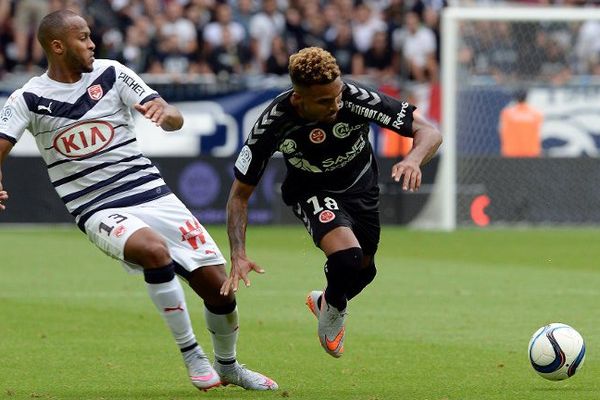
(222, 62)
(449, 315)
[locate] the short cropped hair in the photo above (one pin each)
(53, 26)
(313, 66)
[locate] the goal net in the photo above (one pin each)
(535, 163)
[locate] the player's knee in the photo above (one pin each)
(154, 254)
(368, 273)
(344, 264)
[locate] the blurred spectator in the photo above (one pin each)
(431, 19)
(555, 66)
(177, 26)
(28, 14)
(264, 26)
(343, 49)
(587, 47)
(379, 60)
(520, 129)
(229, 56)
(5, 35)
(278, 61)
(364, 26)
(170, 59)
(139, 45)
(417, 46)
(293, 31)
(394, 14)
(242, 12)
(315, 25)
(214, 31)
(503, 55)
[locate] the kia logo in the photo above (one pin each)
(84, 138)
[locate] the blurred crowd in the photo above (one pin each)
(391, 40)
(218, 37)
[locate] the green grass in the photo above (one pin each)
(448, 317)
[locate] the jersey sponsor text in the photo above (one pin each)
(369, 113)
(132, 83)
(84, 139)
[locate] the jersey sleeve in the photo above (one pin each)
(259, 146)
(132, 88)
(379, 108)
(14, 117)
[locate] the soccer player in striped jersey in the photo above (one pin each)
(79, 112)
(321, 127)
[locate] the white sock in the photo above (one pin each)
(223, 330)
(169, 299)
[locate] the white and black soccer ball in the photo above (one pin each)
(556, 351)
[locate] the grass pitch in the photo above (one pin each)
(448, 317)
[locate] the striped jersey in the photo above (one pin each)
(85, 134)
(329, 156)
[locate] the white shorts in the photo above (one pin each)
(189, 243)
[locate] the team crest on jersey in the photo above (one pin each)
(84, 139)
(326, 216)
(317, 135)
(95, 92)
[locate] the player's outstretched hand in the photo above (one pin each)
(152, 110)
(412, 174)
(161, 114)
(3, 196)
(240, 268)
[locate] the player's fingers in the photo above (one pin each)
(151, 111)
(244, 277)
(257, 268)
(418, 181)
(406, 182)
(225, 287)
(160, 119)
(397, 172)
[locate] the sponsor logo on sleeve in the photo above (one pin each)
(132, 83)
(244, 159)
(84, 139)
(400, 116)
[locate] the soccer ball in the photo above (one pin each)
(556, 351)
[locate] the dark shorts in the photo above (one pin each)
(321, 212)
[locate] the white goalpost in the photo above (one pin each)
(487, 54)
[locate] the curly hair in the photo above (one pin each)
(313, 66)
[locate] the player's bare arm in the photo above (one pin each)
(5, 147)
(426, 140)
(237, 221)
(161, 113)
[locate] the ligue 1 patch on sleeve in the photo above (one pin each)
(5, 115)
(244, 159)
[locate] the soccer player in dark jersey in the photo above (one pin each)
(321, 126)
(79, 113)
